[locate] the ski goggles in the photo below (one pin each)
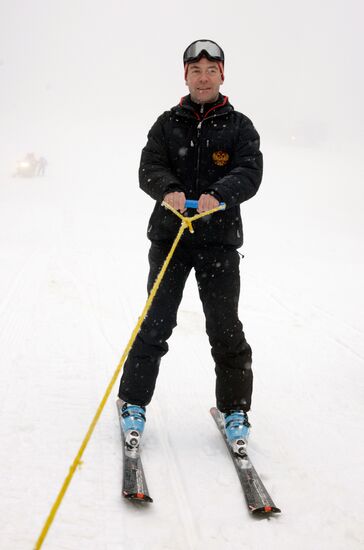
(199, 48)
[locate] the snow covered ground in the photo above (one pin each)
(72, 285)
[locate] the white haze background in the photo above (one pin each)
(81, 82)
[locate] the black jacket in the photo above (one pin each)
(216, 152)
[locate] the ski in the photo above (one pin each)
(256, 495)
(134, 482)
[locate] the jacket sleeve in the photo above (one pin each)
(155, 175)
(243, 181)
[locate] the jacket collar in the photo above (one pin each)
(188, 108)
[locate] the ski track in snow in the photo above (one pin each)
(72, 287)
(319, 319)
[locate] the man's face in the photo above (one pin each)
(204, 80)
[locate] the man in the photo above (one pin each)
(201, 149)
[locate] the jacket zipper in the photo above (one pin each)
(198, 149)
(199, 145)
(198, 155)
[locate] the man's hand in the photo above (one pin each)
(207, 202)
(177, 200)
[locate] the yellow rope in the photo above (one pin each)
(186, 223)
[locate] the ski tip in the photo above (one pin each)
(138, 497)
(265, 510)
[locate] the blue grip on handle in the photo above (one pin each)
(191, 203)
(194, 204)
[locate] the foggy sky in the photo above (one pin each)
(78, 70)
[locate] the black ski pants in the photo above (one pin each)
(218, 279)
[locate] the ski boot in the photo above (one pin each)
(132, 420)
(237, 429)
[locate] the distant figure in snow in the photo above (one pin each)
(27, 167)
(200, 149)
(41, 166)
